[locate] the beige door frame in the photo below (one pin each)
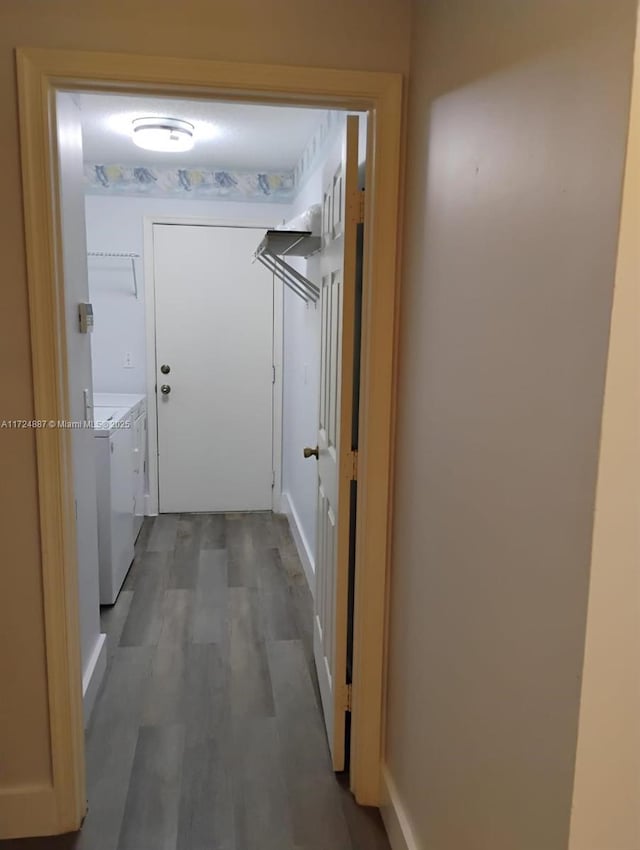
(40, 74)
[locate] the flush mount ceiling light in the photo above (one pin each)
(162, 134)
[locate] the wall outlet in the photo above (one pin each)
(128, 360)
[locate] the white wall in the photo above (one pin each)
(92, 643)
(116, 224)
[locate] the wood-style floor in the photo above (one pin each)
(207, 733)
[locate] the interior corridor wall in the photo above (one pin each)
(116, 224)
(517, 128)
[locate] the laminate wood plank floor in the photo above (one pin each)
(207, 733)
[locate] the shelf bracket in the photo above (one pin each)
(290, 243)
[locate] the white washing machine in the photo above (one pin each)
(136, 405)
(113, 437)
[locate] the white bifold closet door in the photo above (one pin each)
(214, 335)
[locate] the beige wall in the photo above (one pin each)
(359, 34)
(606, 801)
(518, 123)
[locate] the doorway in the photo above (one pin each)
(213, 575)
(213, 317)
(379, 93)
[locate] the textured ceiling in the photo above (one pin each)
(228, 135)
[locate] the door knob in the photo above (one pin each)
(310, 452)
(165, 389)
(165, 369)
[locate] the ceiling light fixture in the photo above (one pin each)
(162, 134)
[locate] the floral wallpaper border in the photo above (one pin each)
(218, 184)
(222, 184)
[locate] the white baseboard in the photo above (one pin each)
(93, 676)
(399, 830)
(302, 544)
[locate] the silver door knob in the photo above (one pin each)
(165, 389)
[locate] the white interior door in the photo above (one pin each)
(214, 333)
(335, 457)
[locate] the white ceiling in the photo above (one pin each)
(227, 135)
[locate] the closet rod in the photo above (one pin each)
(310, 287)
(294, 286)
(283, 272)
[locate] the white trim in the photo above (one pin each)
(152, 498)
(277, 503)
(302, 544)
(277, 411)
(399, 830)
(151, 501)
(93, 676)
(207, 221)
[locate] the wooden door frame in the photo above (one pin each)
(41, 73)
(153, 500)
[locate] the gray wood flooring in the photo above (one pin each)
(207, 733)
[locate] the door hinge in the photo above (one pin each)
(273, 374)
(361, 205)
(273, 478)
(353, 460)
(348, 693)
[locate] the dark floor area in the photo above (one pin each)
(208, 732)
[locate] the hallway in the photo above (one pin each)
(208, 733)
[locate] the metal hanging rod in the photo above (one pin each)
(123, 256)
(268, 261)
(293, 243)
